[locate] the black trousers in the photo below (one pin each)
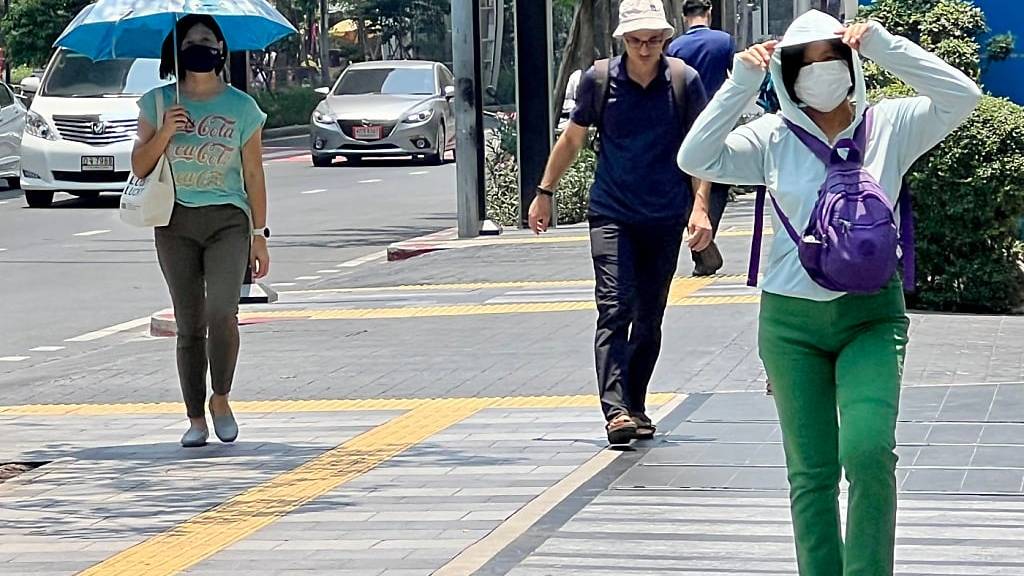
(634, 267)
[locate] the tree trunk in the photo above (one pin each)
(569, 59)
(585, 54)
(602, 28)
(674, 13)
(325, 46)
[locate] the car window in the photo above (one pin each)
(446, 78)
(76, 76)
(6, 97)
(387, 81)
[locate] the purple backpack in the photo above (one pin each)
(850, 244)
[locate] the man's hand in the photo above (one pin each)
(699, 229)
(759, 56)
(540, 213)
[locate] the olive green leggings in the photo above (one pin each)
(835, 369)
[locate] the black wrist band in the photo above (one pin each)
(545, 192)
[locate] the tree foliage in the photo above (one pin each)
(32, 26)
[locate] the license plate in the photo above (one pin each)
(97, 163)
(367, 132)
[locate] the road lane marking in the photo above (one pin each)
(13, 358)
(419, 173)
(47, 349)
(305, 278)
(371, 181)
(526, 284)
(92, 233)
(317, 191)
(282, 284)
(3, 249)
(130, 325)
(332, 271)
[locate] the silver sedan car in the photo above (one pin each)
(385, 109)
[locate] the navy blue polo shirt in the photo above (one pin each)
(710, 52)
(637, 179)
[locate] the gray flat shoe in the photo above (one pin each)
(195, 437)
(225, 426)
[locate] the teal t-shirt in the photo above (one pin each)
(207, 157)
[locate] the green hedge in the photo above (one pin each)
(502, 179)
(288, 107)
(968, 204)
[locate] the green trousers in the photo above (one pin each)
(835, 369)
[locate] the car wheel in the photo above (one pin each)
(14, 183)
(38, 199)
(437, 158)
(321, 161)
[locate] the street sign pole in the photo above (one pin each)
(469, 120)
(533, 98)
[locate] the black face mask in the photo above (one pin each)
(201, 59)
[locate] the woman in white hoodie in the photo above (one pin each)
(824, 351)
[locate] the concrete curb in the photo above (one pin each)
(163, 325)
(285, 132)
(423, 245)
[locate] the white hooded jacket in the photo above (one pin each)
(766, 152)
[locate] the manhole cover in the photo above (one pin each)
(9, 470)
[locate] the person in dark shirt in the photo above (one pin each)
(710, 52)
(640, 204)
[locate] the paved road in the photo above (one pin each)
(75, 268)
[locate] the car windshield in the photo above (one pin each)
(387, 81)
(75, 76)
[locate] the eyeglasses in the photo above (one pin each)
(636, 43)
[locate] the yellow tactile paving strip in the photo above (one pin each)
(683, 293)
(569, 238)
(189, 543)
(288, 406)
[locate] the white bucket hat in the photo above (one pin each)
(637, 15)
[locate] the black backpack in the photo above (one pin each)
(677, 74)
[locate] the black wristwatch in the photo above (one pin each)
(265, 232)
(545, 192)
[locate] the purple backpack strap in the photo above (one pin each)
(822, 150)
(907, 239)
(755, 244)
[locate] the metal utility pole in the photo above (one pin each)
(534, 52)
(469, 119)
(325, 46)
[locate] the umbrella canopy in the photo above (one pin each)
(111, 29)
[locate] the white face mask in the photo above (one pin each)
(824, 85)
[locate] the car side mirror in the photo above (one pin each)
(323, 91)
(30, 85)
(449, 92)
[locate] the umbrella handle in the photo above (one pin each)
(177, 74)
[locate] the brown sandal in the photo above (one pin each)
(621, 430)
(645, 429)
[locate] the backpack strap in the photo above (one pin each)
(755, 244)
(822, 150)
(602, 71)
(907, 244)
(677, 74)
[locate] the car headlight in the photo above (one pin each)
(37, 126)
(420, 116)
(321, 116)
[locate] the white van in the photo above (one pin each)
(81, 127)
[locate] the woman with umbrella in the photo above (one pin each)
(212, 138)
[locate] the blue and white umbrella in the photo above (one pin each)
(111, 29)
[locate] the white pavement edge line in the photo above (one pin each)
(92, 233)
(477, 555)
(131, 324)
(379, 255)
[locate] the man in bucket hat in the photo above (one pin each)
(642, 105)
